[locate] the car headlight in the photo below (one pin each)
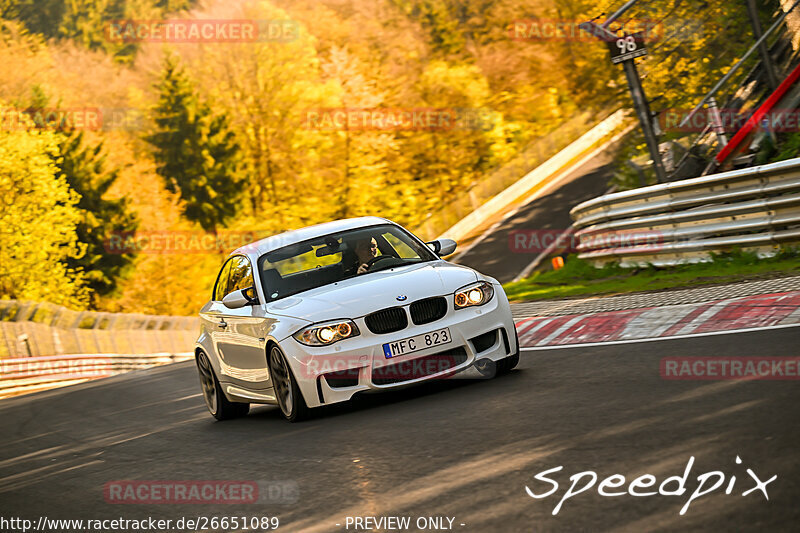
(473, 294)
(326, 333)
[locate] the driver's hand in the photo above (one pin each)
(362, 269)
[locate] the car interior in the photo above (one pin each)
(283, 280)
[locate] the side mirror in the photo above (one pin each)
(442, 247)
(240, 298)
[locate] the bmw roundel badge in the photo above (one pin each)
(402, 298)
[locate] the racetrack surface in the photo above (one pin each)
(456, 448)
(493, 255)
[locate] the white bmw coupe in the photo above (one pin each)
(311, 317)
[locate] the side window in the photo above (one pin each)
(241, 274)
(222, 281)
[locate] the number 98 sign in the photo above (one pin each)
(627, 47)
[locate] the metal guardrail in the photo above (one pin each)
(31, 374)
(55, 315)
(684, 221)
(39, 329)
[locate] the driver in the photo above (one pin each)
(366, 250)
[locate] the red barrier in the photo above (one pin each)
(755, 120)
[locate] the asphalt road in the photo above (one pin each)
(495, 257)
(464, 449)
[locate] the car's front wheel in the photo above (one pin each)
(218, 405)
(287, 393)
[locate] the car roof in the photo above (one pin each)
(286, 238)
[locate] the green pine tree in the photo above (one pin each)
(84, 168)
(195, 151)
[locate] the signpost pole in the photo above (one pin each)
(763, 50)
(618, 13)
(645, 118)
(637, 91)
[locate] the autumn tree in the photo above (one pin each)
(267, 86)
(446, 161)
(87, 21)
(364, 156)
(85, 169)
(441, 19)
(38, 221)
(195, 151)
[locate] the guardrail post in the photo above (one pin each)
(78, 343)
(473, 201)
(22, 311)
(716, 122)
(639, 172)
(78, 319)
(57, 346)
(23, 340)
(111, 331)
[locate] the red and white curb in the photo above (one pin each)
(747, 313)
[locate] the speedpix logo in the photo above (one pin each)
(615, 485)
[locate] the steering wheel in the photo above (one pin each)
(376, 259)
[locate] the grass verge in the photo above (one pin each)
(579, 278)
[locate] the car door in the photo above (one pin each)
(213, 314)
(241, 337)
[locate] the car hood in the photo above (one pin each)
(359, 296)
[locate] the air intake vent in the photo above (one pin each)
(387, 320)
(428, 310)
(343, 378)
(420, 367)
(485, 341)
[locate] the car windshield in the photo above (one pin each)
(331, 258)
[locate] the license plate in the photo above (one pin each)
(417, 343)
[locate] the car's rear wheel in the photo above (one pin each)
(218, 405)
(287, 393)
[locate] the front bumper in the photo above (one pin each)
(335, 373)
